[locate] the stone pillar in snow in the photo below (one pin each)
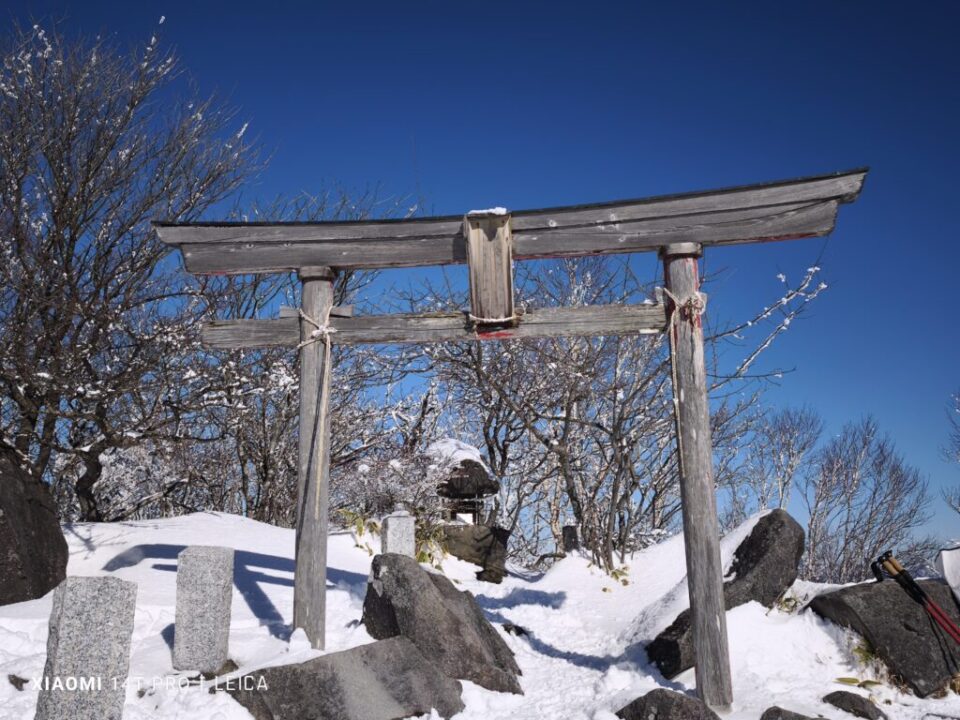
(88, 649)
(399, 534)
(204, 596)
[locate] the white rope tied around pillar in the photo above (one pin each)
(689, 309)
(693, 306)
(321, 333)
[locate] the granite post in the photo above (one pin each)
(204, 596)
(88, 650)
(399, 534)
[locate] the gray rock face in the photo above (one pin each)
(663, 704)
(201, 634)
(898, 629)
(88, 650)
(33, 551)
(778, 713)
(445, 624)
(856, 705)
(399, 534)
(764, 566)
(480, 545)
(385, 680)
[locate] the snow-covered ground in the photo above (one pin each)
(581, 660)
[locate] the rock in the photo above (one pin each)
(481, 545)
(854, 704)
(764, 566)
(399, 534)
(663, 704)
(898, 629)
(204, 597)
(518, 630)
(384, 680)
(33, 551)
(445, 624)
(88, 650)
(778, 713)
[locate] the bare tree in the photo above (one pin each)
(95, 325)
(781, 442)
(862, 499)
(580, 430)
(952, 451)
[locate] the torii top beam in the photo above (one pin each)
(783, 210)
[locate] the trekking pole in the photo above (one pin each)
(903, 577)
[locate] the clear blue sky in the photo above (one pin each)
(535, 104)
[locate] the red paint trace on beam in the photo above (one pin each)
(494, 335)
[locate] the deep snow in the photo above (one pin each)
(582, 659)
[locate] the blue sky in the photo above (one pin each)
(537, 104)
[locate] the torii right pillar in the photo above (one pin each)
(700, 525)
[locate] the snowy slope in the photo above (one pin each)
(582, 660)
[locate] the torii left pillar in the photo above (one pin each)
(313, 478)
(701, 531)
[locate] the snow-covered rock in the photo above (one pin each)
(446, 624)
(380, 681)
(764, 565)
(480, 545)
(898, 629)
(857, 705)
(666, 705)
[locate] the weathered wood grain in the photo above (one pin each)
(441, 327)
(490, 267)
(776, 211)
(313, 477)
(842, 186)
(729, 227)
(237, 334)
(701, 529)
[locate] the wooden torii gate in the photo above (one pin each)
(677, 226)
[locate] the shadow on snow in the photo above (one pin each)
(248, 576)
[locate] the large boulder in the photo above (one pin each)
(382, 681)
(33, 551)
(663, 704)
(446, 624)
(481, 545)
(764, 566)
(856, 705)
(898, 629)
